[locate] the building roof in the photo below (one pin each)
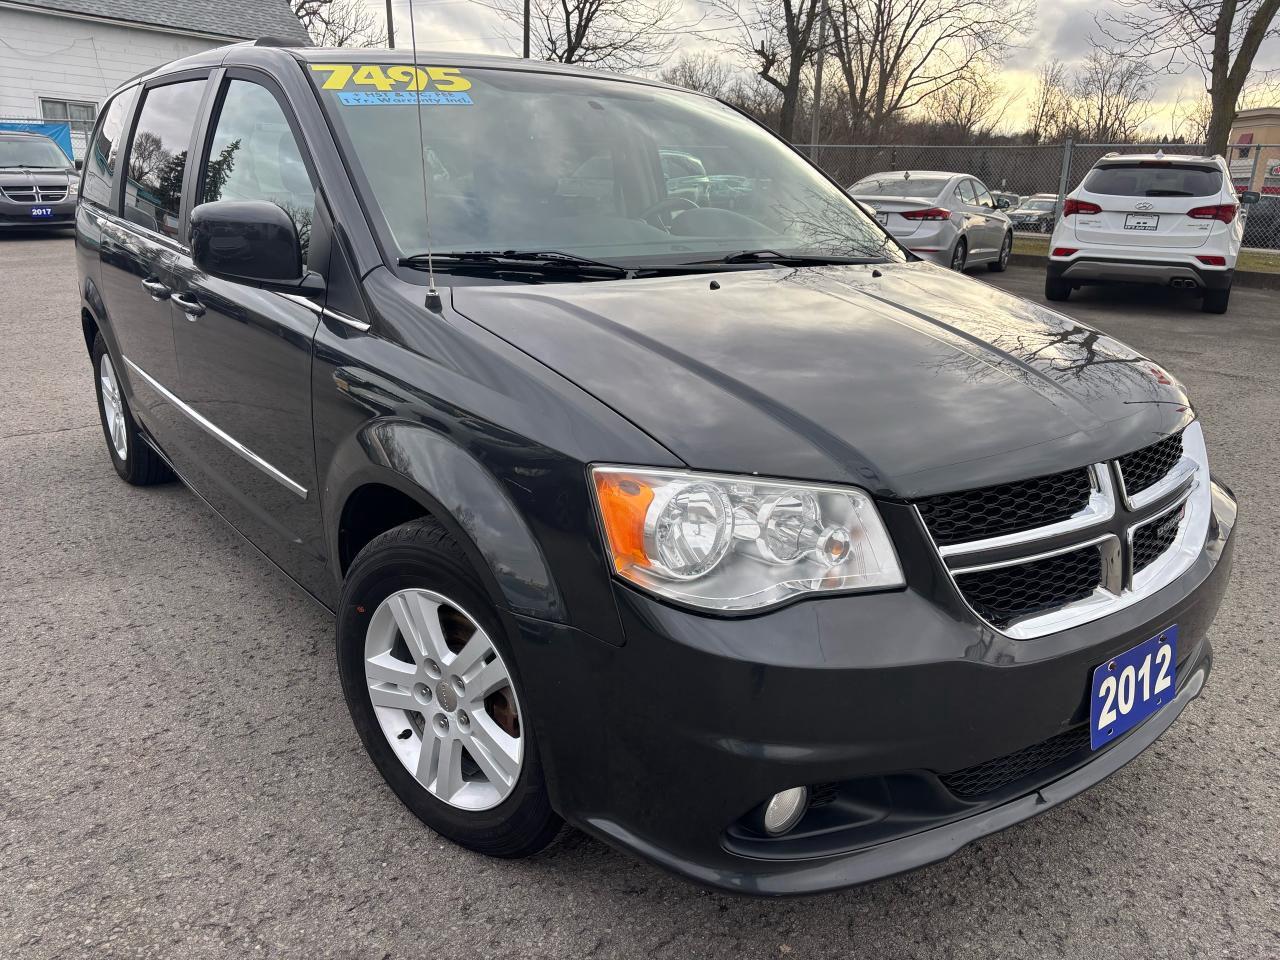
(233, 19)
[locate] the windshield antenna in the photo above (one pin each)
(433, 295)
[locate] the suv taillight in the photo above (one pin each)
(1226, 212)
(933, 213)
(1079, 206)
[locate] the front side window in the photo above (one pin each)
(965, 194)
(158, 155)
(597, 168)
(100, 165)
(984, 196)
(253, 155)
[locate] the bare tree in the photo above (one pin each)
(340, 23)
(1050, 113)
(777, 39)
(895, 54)
(701, 71)
(968, 111)
(616, 34)
(1219, 38)
(1112, 97)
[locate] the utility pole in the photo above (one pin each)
(817, 79)
(391, 28)
(526, 29)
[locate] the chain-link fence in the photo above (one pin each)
(1034, 179)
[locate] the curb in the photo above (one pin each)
(1243, 278)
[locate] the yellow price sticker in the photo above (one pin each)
(350, 76)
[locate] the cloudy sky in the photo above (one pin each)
(1063, 30)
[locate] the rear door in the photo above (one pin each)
(1146, 204)
(993, 221)
(140, 246)
(975, 220)
(244, 354)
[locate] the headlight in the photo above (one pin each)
(73, 188)
(737, 543)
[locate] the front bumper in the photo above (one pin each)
(17, 216)
(1084, 268)
(663, 744)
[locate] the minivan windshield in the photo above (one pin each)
(604, 169)
(31, 152)
(1154, 178)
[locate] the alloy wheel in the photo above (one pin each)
(113, 407)
(957, 256)
(444, 699)
(1005, 249)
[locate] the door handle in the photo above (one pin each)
(157, 289)
(191, 307)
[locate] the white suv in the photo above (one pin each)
(1150, 218)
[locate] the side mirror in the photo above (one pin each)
(1250, 196)
(79, 164)
(249, 241)
(1003, 203)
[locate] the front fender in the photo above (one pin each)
(461, 494)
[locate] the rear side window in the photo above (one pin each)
(1154, 178)
(100, 165)
(158, 155)
(253, 156)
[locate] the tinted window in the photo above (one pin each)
(896, 186)
(964, 190)
(100, 165)
(1153, 178)
(158, 155)
(253, 156)
(984, 197)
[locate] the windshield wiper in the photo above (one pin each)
(790, 259)
(546, 260)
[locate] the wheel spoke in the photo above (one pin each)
(419, 621)
(493, 676)
(393, 697)
(448, 772)
(471, 656)
(385, 668)
(494, 751)
(428, 758)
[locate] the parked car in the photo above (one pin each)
(38, 182)
(948, 218)
(1159, 218)
(1036, 214)
(1007, 201)
(738, 538)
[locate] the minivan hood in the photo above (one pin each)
(31, 174)
(905, 379)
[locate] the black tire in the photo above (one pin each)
(421, 554)
(960, 255)
(1216, 301)
(1001, 263)
(140, 465)
(1056, 289)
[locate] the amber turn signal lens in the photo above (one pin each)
(624, 502)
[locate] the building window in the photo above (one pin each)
(80, 115)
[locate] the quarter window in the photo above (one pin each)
(100, 165)
(158, 156)
(253, 156)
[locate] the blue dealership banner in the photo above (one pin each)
(59, 132)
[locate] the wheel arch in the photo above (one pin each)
(393, 471)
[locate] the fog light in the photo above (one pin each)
(784, 810)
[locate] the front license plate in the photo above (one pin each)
(1142, 221)
(37, 212)
(1132, 686)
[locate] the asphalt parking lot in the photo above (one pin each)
(179, 777)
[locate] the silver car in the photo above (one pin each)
(949, 218)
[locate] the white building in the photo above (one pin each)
(59, 59)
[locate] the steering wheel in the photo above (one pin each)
(654, 215)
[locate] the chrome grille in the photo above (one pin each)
(1006, 508)
(35, 193)
(1004, 594)
(1148, 466)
